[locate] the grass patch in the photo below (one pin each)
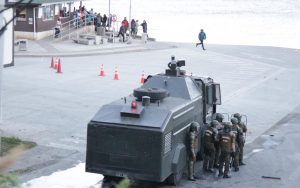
(9, 180)
(8, 143)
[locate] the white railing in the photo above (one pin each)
(68, 28)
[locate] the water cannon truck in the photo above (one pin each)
(144, 136)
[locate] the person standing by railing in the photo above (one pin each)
(132, 29)
(125, 24)
(144, 25)
(104, 19)
(122, 32)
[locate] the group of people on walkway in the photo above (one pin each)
(223, 146)
(83, 16)
(133, 30)
(80, 16)
(104, 21)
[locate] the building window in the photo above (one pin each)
(21, 13)
(48, 12)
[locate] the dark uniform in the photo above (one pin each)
(210, 136)
(220, 126)
(192, 149)
(243, 128)
(226, 140)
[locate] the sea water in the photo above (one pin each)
(243, 22)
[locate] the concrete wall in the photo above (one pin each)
(30, 35)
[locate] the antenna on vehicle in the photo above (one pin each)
(125, 100)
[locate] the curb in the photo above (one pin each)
(107, 51)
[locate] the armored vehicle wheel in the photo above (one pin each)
(153, 93)
(174, 179)
(110, 181)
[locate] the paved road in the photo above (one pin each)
(53, 109)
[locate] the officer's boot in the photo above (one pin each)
(191, 171)
(210, 165)
(226, 176)
(221, 170)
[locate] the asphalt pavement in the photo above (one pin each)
(53, 109)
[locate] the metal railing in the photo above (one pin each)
(72, 28)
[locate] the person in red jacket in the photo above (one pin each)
(125, 24)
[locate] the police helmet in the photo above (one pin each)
(237, 115)
(219, 117)
(194, 126)
(227, 127)
(214, 123)
(234, 121)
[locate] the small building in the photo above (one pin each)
(36, 20)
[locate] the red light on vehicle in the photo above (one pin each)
(133, 104)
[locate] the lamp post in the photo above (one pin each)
(129, 20)
(2, 25)
(108, 7)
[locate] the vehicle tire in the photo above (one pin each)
(153, 93)
(174, 179)
(110, 181)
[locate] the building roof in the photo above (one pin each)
(38, 2)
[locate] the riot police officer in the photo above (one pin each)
(226, 139)
(210, 137)
(192, 149)
(220, 126)
(238, 140)
(243, 127)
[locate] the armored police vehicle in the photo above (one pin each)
(144, 136)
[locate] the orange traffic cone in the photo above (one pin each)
(142, 78)
(116, 76)
(102, 71)
(52, 62)
(59, 66)
(55, 64)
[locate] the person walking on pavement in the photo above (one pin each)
(210, 136)
(192, 149)
(201, 37)
(227, 144)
